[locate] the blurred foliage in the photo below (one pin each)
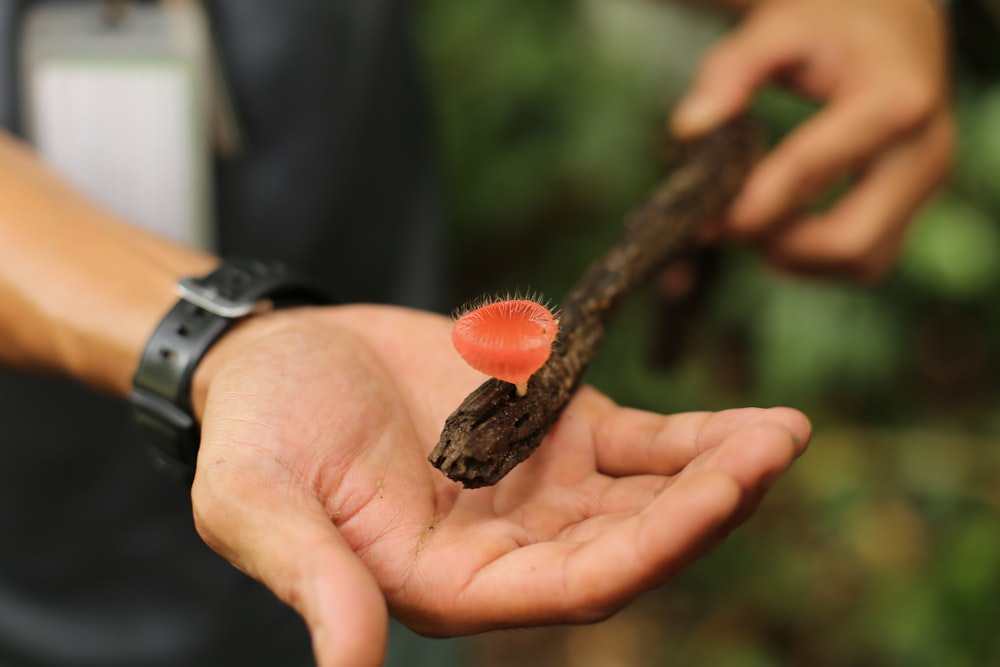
(882, 545)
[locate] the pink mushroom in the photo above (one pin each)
(507, 339)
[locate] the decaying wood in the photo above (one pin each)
(494, 429)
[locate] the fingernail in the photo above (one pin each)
(695, 115)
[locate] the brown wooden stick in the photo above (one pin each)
(494, 429)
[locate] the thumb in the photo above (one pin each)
(731, 73)
(293, 548)
(342, 605)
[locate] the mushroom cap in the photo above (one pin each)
(509, 340)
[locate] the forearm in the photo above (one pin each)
(740, 6)
(732, 6)
(80, 291)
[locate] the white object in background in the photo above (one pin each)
(121, 111)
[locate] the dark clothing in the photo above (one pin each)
(100, 564)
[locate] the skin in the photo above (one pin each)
(316, 421)
(312, 477)
(880, 70)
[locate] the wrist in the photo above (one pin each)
(167, 399)
(100, 340)
(241, 336)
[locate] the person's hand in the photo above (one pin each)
(312, 477)
(881, 68)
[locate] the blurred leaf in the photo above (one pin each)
(979, 144)
(815, 337)
(954, 250)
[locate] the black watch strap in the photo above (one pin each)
(208, 306)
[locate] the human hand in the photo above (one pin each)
(312, 477)
(881, 68)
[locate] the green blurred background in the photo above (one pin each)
(882, 545)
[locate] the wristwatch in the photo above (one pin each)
(161, 387)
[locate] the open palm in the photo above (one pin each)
(313, 478)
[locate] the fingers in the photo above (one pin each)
(754, 450)
(608, 544)
(881, 70)
(731, 73)
(861, 235)
(817, 155)
(284, 539)
(633, 442)
(565, 581)
(728, 460)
